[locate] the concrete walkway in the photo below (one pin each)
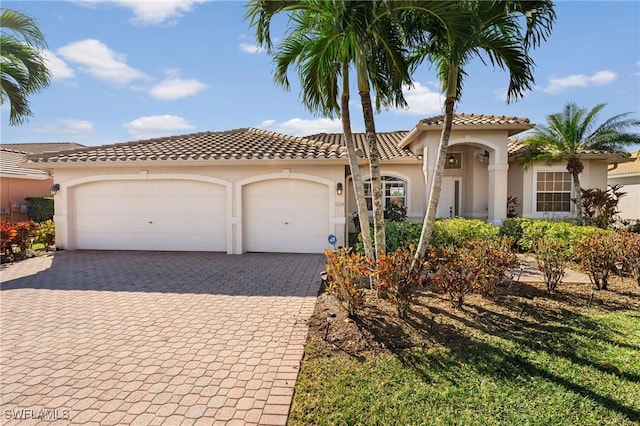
(531, 273)
(153, 338)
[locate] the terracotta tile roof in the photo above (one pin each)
(627, 169)
(516, 146)
(41, 148)
(475, 120)
(10, 161)
(238, 144)
(387, 143)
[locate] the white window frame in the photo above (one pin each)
(396, 179)
(534, 196)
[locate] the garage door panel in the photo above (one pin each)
(150, 215)
(286, 215)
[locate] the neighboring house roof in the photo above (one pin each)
(388, 143)
(10, 161)
(517, 147)
(631, 168)
(238, 144)
(40, 148)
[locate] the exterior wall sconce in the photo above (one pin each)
(55, 188)
(339, 188)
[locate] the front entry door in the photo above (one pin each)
(450, 197)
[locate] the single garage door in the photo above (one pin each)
(161, 215)
(285, 216)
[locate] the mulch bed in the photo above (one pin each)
(377, 329)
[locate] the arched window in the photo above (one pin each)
(394, 190)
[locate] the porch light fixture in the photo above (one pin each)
(55, 188)
(451, 159)
(339, 188)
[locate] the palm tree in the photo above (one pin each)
(571, 134)
(493, 34)
(22, 68)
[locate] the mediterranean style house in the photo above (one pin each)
(251, 190)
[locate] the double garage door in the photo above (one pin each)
(281, 215)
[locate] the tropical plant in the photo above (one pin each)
(495, 32)
(630, 246)
(570, 135)
(552, 258)
(598, 257)
(345, 272)
(324, 40)
(600, 207)
(398, 279)
(22, 65)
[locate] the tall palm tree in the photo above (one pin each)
(22, 67)
(495, 35)
(570, 134)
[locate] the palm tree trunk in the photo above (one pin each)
(374, 160)
(374, 171)
(578, 197)
(436, 180)
(358, 184)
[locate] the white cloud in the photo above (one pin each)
(176, 88)
(156, 125)
(98, 60)
(301, 127)
(151, 12)
(421, 101)
(77, 126)
(58, 68)
(501, 93)
(557, 85)
(250, 48)
(69, 126)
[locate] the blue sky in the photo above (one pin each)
(133, 69)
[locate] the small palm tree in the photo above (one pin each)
(569, 135)
(22, 68)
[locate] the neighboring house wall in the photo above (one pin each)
(629, 205)
(15, 190)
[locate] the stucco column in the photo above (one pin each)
(498, 175)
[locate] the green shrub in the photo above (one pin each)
(46, 234)
(457, 231)
(40, 209)
(400, 235)
(533, 230)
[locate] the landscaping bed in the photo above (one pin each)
(522, 357)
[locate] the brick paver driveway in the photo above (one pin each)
(154, 338)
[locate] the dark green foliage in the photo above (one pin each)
(600, 207)
(395, 212)
(40, 209)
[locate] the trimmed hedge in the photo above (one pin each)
(40, 209)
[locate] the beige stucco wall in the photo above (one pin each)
(594, 175)
(515, 184)
(233, 176)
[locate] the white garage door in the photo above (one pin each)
(285, 216)
(162, 215)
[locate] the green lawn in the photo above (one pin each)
(584, 370)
